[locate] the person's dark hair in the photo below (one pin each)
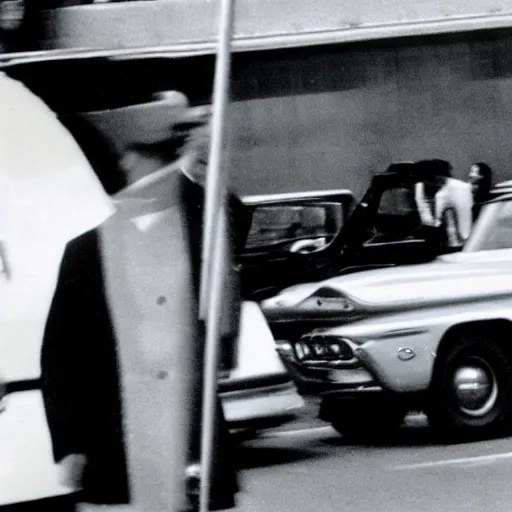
(433, 170)
(99, 152)
(433, 173)
(441, 168)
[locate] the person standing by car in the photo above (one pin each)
(480, 179)
(123, 327)
(444, 203)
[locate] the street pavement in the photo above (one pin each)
(305, 466)
(308, 467)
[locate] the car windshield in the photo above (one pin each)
(493, 229)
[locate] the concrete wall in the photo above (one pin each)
(331, 118)
(328, 116)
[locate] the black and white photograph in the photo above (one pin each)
(255, 255)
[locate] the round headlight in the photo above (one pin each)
(299, 351)
(335, 349)
(319, 349)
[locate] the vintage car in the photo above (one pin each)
(505, 187)
(385, 228)
(433, 337)
(292, 238)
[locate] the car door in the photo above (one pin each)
(292, 239)
(392, 232)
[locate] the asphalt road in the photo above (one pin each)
(312, 469)
(307, 467)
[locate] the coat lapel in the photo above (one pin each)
(149, 285)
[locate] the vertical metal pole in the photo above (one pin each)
(216, 175)
(214, 247)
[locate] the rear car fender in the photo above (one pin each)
(499, 329)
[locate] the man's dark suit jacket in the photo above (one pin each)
(80, 375)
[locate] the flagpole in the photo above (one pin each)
(215, 247)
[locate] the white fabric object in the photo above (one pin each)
(456, 194)
(426, 214)
(257, 349)
(49, 194)
(45, 178)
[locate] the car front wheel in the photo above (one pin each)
(471, 391)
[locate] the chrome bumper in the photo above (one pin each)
(324, 379)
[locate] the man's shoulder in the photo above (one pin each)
(81, 253)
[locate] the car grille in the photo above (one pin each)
(322, 348)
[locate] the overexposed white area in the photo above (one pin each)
(27, 471)
(257, 355)
(48, 195)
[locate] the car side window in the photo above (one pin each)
(493, 229)
(499, 233)
(277, 228)
(397, 215)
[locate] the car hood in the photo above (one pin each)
(451, 278)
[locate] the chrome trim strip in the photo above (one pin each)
(401, 242)
(291, 196)
(398, 333)
(350, 391)
(258, 391)
(331, 364)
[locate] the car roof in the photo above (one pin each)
(500, 189)
(505, 196)
(504, 184)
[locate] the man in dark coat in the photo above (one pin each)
(123, 347)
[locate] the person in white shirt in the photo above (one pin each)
(444, 202)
